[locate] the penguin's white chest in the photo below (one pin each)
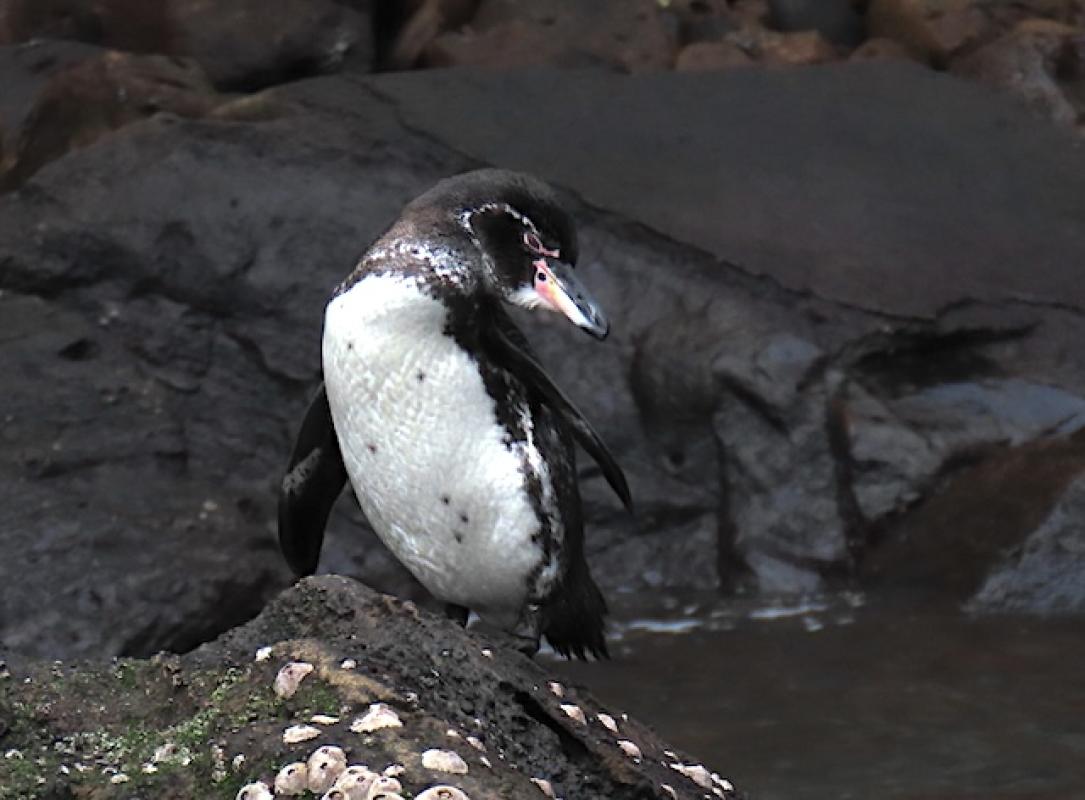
(426, 457)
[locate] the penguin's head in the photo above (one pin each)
(525, 242)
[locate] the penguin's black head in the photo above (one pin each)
(525, 240)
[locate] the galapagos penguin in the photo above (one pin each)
(458, 445)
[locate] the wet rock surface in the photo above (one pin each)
(789, 381)
(471, 714)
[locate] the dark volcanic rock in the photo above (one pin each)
(209, 723)
(631, 36)
(87, 99)
(240, 43)
(824, 309)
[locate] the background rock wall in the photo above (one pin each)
(846, 302)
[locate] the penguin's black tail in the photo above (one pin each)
(573, 618)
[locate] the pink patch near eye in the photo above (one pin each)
(533, 243)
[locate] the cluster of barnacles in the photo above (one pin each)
(695, 772)
(327, 774)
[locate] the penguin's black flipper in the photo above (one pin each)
(504, 343)
(312, 483)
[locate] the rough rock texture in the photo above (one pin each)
(826, 313)
(88, 98)
(1040, 61)
(240, 43)
(1044, 573)
(623, 34)
(206, 724)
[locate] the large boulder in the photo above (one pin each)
(329, 674)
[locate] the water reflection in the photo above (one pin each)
(834, 698)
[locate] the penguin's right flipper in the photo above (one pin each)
(312, 484)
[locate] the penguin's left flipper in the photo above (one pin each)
(500, 339)
(313, 481)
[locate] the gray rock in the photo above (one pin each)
(1046, 574)
(949, 229)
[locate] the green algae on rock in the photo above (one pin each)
(390, 698)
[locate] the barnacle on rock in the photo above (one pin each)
(476, 743)
(293, 779)
(669, 790)
(379, 715)
(323, 719)
(696, 773)
(254, 791)
(544, 786)
(629, 748)
(723, 783)
(444, 761)
(325, 766)
(608, 722)
(263, 654)
(382, 786)
(300, 733)
(574, 712)
(290, 677)
(355, 781)
(394, 770)
(556, 689)
(442, 793)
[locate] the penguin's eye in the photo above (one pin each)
(540, 276)
(532, 242)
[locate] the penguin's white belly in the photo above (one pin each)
(423, 448)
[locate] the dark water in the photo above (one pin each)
(835, 699)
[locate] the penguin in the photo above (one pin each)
(458, 445)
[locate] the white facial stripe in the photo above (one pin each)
(467, 215)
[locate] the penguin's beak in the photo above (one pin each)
(561, 290)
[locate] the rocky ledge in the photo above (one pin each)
(332, 685)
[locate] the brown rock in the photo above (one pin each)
(782, 49)
(932, 29)
(428, 20)
(937, 30)
(239, 43)
(703, 56)
(881, 49)
(90, 98)
(804, 47)
(1040, 61)
(630, 36)
(751, 13)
